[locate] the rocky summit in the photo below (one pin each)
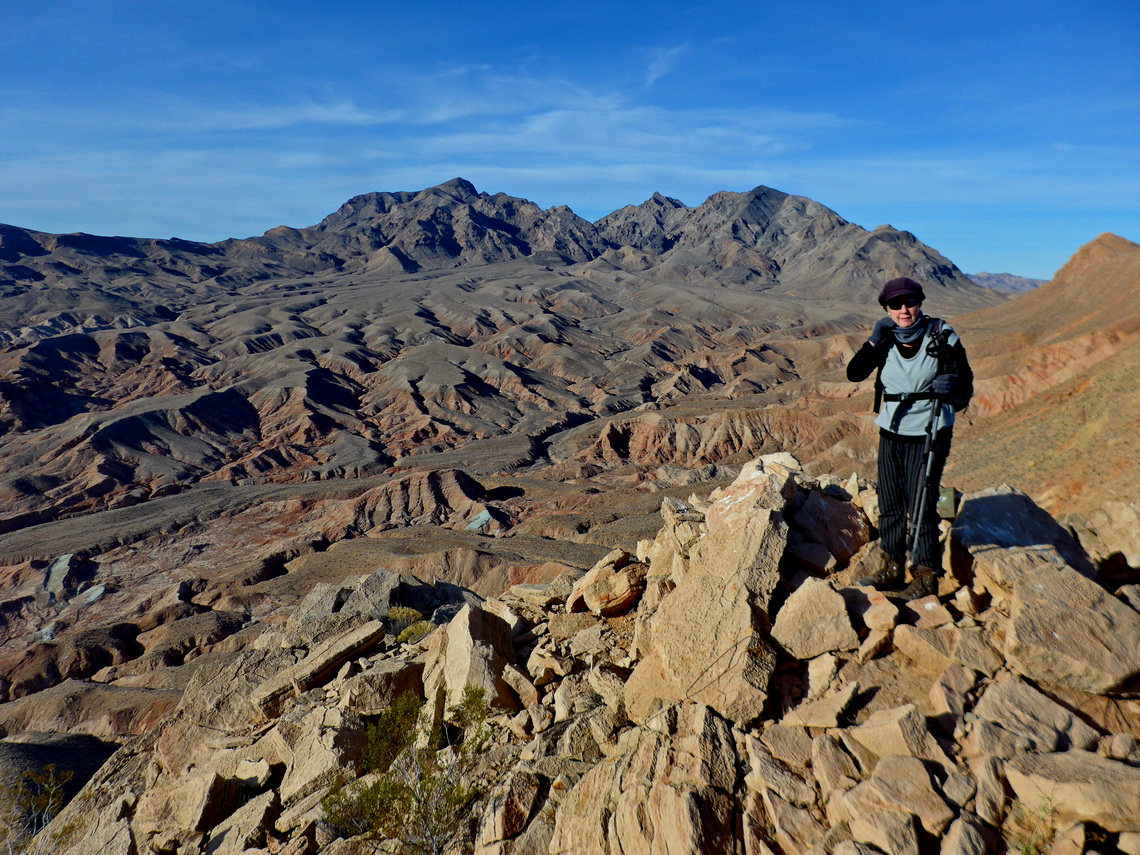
(726, 687)
(455, 524)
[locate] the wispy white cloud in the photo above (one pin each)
(211, 168)
(662, 61)
(273, 117)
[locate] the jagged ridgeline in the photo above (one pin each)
(405, 325)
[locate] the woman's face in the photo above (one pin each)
(904, 312)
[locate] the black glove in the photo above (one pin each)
(943, 385)
(883, 332)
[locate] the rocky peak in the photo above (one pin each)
(447, 226)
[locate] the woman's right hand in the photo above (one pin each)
(883, 332)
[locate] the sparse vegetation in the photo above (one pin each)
(1029, 830)
(418, 797)
(392, 732)
(415, 632)
(26, 809)
(402, 617)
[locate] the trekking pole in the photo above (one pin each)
(920, 503)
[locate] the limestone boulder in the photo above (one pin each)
(966, 836)
(376, 689)
(472, 650)
(1079, 787)
(834, 769)
(765, 773)
(768, 483)
(607, 566)
(1112, 532)
(948, 695)
(901, 784)
(510, 808)
(327, 743)
(668, 554)
(935, 649)
(796, 829)
(888, 832)
(872, 607)
(611, 587)
(545, 666)
(1066, 630)
(320, 665)
(823, 711)
(246, 828)
(563, 627)
(1005, 518)
(193, 803)
(708, 639)
(669, 787)
(900, 731)
(1016, 706)
(809, 556)
(814, 621)
(998, 571)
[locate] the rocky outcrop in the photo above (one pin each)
(845, 721)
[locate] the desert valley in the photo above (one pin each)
(617, 471)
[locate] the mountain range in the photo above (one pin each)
(171, 410)
(405, 325)
(208, 448)
(1006, 281)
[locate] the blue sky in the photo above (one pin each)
(1004, 134)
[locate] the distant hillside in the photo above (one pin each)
(1057, 409)
(1005, 281)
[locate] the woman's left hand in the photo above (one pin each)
(943, 385)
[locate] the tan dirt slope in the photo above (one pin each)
(1057, 407)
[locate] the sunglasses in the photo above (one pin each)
(909, 302)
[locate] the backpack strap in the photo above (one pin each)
(939, 336)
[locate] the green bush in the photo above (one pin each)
(416, 799)
(401, 617)
(470, 716)
(415, 632)
(359, 809)
(392, 732)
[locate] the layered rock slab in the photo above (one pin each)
(669, 788)
(726, 661)
(1068, 631)
(1079, 787)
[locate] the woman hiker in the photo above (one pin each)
(923, 376)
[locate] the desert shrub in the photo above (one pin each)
(419, 797)
(356, 808)
(415, 632)
(392, 732)
(470, 716)
(437, 801)
(401, 617)
(27, 808)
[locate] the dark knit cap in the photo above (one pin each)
(901, 286)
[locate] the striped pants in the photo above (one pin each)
(901, 469)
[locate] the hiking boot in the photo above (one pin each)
(889, 576)
(923, 583)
